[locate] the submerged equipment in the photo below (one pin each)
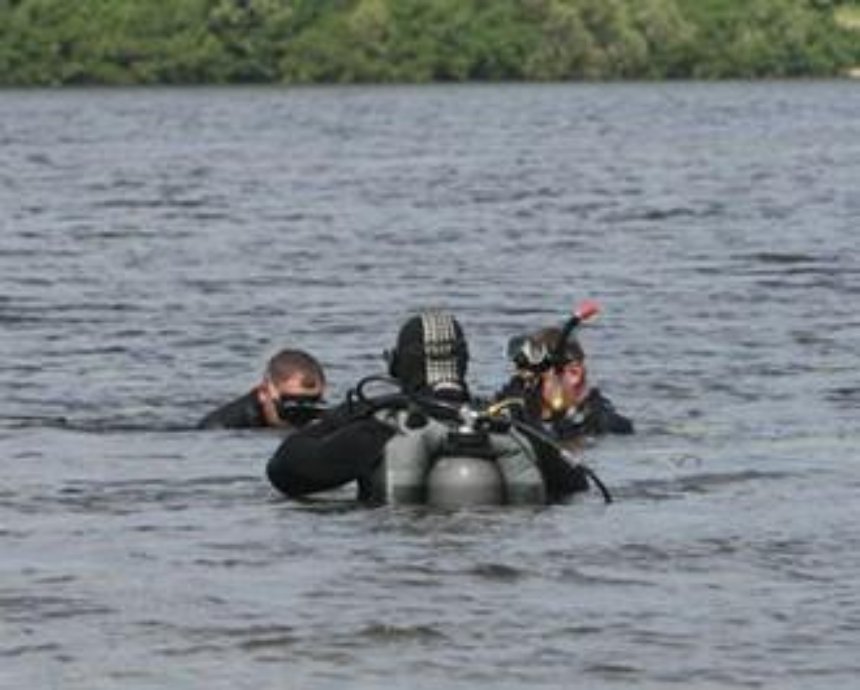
(451, 456)
(434, 463)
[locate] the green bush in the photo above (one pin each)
(299, 41)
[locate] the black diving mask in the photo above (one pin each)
(526, 353)
(298, 410)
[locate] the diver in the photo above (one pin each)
(395, 441)
(289, 395)
(551, 386)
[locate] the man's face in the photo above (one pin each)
(563, 390)
(297, 386)
(290, 401)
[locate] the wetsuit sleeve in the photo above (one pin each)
(601, 417)
(328, 453)
(562, 478)
(242, 413)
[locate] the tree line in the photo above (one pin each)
(48, 42)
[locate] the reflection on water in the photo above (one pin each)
(158, 245)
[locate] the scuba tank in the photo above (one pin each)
(451, 457)
(431, 462)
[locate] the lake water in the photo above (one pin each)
(159, 245)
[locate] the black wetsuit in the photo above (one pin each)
(245, 412)
(595, 416)
(348, 443)
(242, 413)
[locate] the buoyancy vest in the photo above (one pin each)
(428, 461)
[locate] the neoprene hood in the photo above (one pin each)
(431, 352)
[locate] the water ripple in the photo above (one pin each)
(160, 245)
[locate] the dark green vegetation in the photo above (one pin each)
(296, 41)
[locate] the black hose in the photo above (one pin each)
(400, 399)
(374, 378)
(607, 497)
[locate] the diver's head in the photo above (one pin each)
(292, 389)
(431, 354)
(564, 384)
(563, 379)
(563, 389)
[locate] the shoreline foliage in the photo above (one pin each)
(124, 42)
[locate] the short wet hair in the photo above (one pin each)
(291, 362)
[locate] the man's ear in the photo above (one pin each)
(263, 393)
(266, 401)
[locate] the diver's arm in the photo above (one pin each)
(601, 417)
(242, 413)
(561, 477)
(328, 454)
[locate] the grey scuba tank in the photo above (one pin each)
(430, 462)
(456, 481)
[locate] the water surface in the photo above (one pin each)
(159, 245)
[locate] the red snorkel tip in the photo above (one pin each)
(586, 310)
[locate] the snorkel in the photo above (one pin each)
(584, 312)
(564, 380)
